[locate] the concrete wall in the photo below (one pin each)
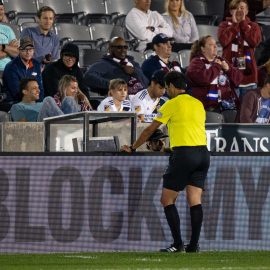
(22, 137)
(29, 137)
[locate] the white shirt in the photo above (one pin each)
(137, 21)
(187, 31)
(145, 106)
(107, 105)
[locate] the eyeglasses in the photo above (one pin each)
(120, 47)
(27, 50)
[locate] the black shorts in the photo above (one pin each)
(188, 165)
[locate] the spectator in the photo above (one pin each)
(255, 7)
(45, 40)
(8, 44)
(116, 100)
(144, 24)
(239, 37)
(156, 141)
(21, 67)
(3, 17)
(148, 101)
(182, 22)
(161, 59)
(256, 105)
(263, 73)
(115, 64)
(29, 110)
(210, 77)
(66, 65)
(69, 87)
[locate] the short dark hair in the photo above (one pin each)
(177, 79)
(23, 84)
(45, 9)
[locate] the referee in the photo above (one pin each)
(188, 162)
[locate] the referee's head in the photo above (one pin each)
(175, 83)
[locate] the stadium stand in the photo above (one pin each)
(19, 11)
(119, 6)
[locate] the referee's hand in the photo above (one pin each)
(125, 148)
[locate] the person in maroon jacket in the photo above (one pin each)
(255, 107)
(239, 37)
(211, 78)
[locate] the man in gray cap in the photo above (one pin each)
(24, 65)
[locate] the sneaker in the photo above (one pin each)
(192, 248)
(173, 248)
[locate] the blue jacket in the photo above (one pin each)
(98, 75)
(151, 64)
(14, 71)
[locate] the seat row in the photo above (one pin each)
(17, 10)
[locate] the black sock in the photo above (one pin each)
(196, 216)
(173, 220)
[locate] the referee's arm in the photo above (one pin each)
(146, 133)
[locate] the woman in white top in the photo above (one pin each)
(116, 100)
(181, 21)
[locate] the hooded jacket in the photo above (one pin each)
(56, 70)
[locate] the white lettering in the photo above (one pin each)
(220, 144)
(234, 146)
(247, 145)
(262, 146)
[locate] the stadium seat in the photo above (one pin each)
(19, 11)
(72, 32)
(95, 18)
(88, 57)
(229, 116)
(184, 56)
(89, 6)
(138, 56)
(119, 6)
(158, 5)
(100, 31)
(28, 24)
(199, 9)
(205, 30)
(213, 117)
(63, 9)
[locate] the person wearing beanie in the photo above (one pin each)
(66, 65)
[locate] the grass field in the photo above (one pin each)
(137, 260)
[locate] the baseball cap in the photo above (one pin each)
(161, 38)
(158, 76)
(157, 135)
(26, 42)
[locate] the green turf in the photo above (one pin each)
(137, 260)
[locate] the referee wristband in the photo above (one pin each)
(131, 148)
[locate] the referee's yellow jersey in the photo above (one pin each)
(184, 116)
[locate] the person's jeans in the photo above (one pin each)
(241, 91)
(50, 108)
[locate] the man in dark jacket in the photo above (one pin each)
(24, 65)
(116, 64)
(66, 65)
